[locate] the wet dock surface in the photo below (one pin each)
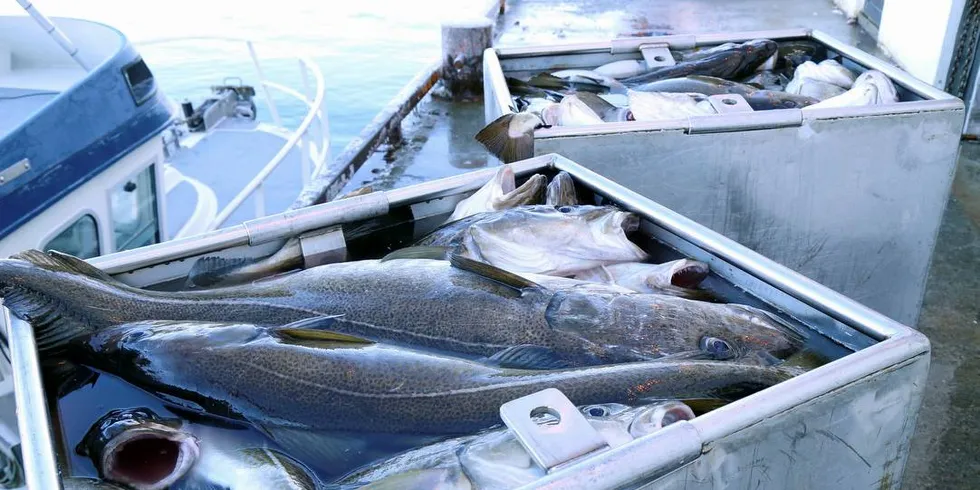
(438, 132)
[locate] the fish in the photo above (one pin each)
(860, 95)
(606, 111)
(678, 277)
(460, 306)
(736, 62)
(214, 270)
(244, 372)
(561, 191)
(622, 69)
(501, 192)
(495, 459)
(572, 111)
(767, 80)
(794, 53)
(758, 99)
(521, 88)
(82, 483)
(137, 448)
(887, 94)
(657, 106)
(577, 81)
(225, 467)
(510, 137)
(820, 80)
(701, 53)
(542, 239)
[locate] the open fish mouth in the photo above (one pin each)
(149, 459)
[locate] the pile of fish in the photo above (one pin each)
(767, 74)
(523, 289)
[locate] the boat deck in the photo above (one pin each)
(18, 104)
(943, 454)
(225, 161)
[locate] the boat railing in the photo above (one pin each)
(311, 137)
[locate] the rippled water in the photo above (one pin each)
(367, 50)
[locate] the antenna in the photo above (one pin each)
(55, 33)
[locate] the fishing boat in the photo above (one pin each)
(95, 158)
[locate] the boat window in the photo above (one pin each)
(140, 81)
(134, 211)
(81, 239)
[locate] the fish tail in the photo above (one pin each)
(496, 139)
(37, 287)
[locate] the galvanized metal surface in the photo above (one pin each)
(868, 387)
(550, 445)
(851, 197)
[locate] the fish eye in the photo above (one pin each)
(134, 336)
(565, 209)
(596, 411)
(789, 103)
(717, 348)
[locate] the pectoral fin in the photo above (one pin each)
(318, 328)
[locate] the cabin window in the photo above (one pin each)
(81, 239)
(134, 211)
(140, 81)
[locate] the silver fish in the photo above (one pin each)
(656, 106)
(495, 459)
(500, 192)
(137, 448)
(622, 68)
(677, 277)
(561, 191)
(572, 111)
(543, 239)
(224, 467)
(410, 302)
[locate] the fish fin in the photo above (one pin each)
(418, 252)
(57, 261)
(548, 81)
(528, 357)
(318, 328)
(54, 326)
(208, 271)
(493, 273)
(62, 377)
(598, 105)
(690, 275)
(496, 138)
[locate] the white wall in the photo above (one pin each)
(920, 36)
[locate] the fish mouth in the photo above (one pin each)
(658, 416)
(629, 222)
(149, 459)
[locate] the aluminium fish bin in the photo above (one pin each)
(850, 197)
(845, 424)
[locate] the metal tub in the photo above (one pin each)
(850, 197)
(847, 423)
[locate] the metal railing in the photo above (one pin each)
(313, 141)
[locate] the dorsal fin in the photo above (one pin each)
(62, 262)
(418, 252)
(318, 328)
(495, 274)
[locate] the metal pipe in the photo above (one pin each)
(34, 426)
(55, 33)
(259, 197)
(265, 90)
(276, 160)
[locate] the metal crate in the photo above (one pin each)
(854, 415)
(850, 197)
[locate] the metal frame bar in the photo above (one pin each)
(898, 342)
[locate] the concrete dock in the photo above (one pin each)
(438, 132)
